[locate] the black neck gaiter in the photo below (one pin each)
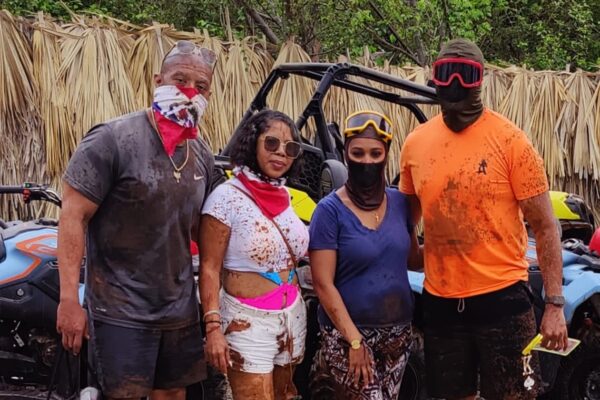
(366, 184)
(461, 107)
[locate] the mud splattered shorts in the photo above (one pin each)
(260, 339)
(131, 362)
(486, 337)
(389, 348)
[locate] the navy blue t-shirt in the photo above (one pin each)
(371, 273)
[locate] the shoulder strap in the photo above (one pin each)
(289, 247)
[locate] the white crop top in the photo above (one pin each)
(255, 244)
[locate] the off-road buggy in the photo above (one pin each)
(575, 377)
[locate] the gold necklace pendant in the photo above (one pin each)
(177, 175)
(377, 218)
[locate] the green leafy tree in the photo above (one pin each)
(544, 34)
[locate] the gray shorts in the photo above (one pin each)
(131, 362)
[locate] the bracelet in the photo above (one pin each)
(211, 312)
(213, 322)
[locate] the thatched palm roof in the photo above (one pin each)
(59, 79)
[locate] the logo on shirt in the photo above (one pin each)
(198, 177)
(482, 167)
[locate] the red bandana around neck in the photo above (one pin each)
(172, 133)
(271, 200)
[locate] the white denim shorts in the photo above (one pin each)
(260, 339)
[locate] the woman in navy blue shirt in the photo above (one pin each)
(361, 239)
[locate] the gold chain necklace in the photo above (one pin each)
(177, 170)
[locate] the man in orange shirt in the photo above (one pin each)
(473, 175)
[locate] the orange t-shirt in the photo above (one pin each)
(469, 185)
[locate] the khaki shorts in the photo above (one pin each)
(260, 339)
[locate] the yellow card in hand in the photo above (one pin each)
(536, 344)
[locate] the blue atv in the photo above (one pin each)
(578, 375)
(32, 361)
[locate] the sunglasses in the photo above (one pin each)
(360, 120)
(187, 47)
(292, 149)
(468, 72)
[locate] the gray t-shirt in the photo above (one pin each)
(139, 266)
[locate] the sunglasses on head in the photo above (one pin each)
(468, 72)
(360, 120)
(187, 47)
(291, 148)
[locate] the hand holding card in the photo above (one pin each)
(536, 344)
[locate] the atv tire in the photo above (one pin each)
(579, 375)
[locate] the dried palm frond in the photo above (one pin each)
(214, 126)
(239, 92)
(144, 60)
(22, 157)
(545, 111)
(96, 68)
(576, 127)
(259, 61)
(94, 74)
(494, 87)
(517, 104)
(291, 96)
(58, 135)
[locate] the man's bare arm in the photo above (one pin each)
(538, 213)
(76, 212)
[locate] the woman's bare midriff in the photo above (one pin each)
(250, 284)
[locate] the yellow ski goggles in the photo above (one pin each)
(360, 120)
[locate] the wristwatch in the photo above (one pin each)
(558, 301)
(355, 344)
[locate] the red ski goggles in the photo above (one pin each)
(468, 72)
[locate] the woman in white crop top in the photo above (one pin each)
(251, 237)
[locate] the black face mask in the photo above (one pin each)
(461, 107)
(452, 93)
(366, 184)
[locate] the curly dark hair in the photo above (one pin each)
(243, 151)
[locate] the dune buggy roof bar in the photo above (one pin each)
(339, 75)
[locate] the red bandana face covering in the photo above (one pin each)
(272, 198)
(176, 112)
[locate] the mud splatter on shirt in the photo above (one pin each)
(255, 244)
(469, 185)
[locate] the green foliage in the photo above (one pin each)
(543, 34)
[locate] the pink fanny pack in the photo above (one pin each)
(280, 297)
